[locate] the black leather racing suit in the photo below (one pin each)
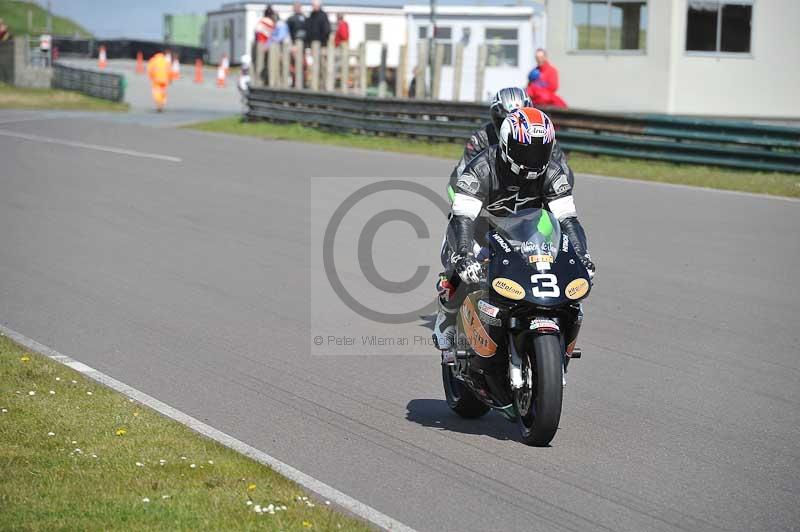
(479, 140)
(487, 187)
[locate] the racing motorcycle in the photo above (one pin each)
(516, 330)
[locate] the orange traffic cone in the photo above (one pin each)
(198, 70)
(176, 69)
(139, 63)
(101, 58)
(221, 74)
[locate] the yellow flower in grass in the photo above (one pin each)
(136, 414)
(308, 524)
(251, 487)
(121, 432)
(24, 358)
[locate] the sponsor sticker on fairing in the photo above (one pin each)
(487, 308)
(540, 258)
(544, 324)
(499, 239)
(564, 243)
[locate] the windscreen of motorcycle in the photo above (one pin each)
(535, 233)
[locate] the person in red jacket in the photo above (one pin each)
(342, 31)
(543, 82)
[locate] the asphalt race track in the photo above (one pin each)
(180, 267)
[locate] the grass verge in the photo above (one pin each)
(79, 456)
(777, 184)
(21, 98)
(16, 13)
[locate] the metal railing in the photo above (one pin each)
(98, 84)
(733, 144)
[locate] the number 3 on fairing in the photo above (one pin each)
(545, 285)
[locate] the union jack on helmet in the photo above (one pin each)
(526, 141)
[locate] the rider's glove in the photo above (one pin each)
(589, 265)
(469, 269)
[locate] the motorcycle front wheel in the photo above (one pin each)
(538, 402)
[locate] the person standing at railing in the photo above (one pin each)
(264, 28)
(342, 31)
(543, 82)
(159, 70)
(297, 23)
(318, 27)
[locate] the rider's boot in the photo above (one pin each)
(444, 330)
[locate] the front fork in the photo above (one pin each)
(568, 332)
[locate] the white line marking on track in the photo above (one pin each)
(320, 488)
(87, 146)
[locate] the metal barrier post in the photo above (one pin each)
(458, 67)
(400, 78)
(286, 63)
(362, 68)
(299, 66)
(315, 66)
(382, 88)
(344, 49)
(480, 73)
(419, 71)
(330, 63)
(438, 60)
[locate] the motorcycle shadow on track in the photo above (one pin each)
(435, 413)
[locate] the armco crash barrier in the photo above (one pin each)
(734, 144)
(98, 84)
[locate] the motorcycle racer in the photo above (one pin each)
(526, 169)
(505, 101)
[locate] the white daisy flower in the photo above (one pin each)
(51, 433)
(211, 462)
(31, 392)
(165, 496)
(192, 466)
(74, 382)
(283, 508)
(257, 508)
(94, 455)
(183, 458)
(4, 410)
(58, 378)
(249, 503)
(88, 393)
(146, 499)
(139, 464)
(52, 392)
(77, 451)
(74, 442)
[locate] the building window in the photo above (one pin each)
(226, 30)
(713, 26)
(502, 47)
(372, 32)
(443, 37)
(215, 31)
(609, 25)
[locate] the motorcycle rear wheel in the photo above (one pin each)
(538, 402)
(460, 399)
